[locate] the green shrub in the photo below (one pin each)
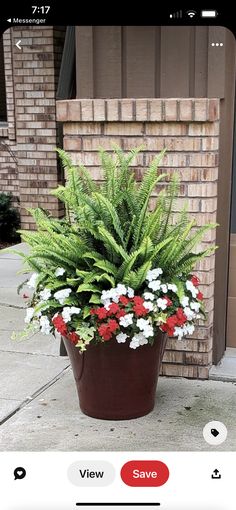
(9, 219)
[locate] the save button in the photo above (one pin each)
(144, 473)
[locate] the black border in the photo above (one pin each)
(82, 14)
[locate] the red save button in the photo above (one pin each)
(144, 473)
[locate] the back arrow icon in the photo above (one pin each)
(18, 44)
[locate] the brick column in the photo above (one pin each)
(8, 149)
(189, 129)
(35, 80)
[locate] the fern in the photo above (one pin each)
(110, 234)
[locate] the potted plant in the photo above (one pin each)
(114, 278)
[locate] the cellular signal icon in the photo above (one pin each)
(177, 14)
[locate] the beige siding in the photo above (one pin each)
(149, 61)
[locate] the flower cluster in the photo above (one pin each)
(171, 307)
(136, 318)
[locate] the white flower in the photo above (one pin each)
(141, 338)
(137, 340)
(45, 294)
(121, 338)
(146, 327)
(153, 274)
(29, 315)
(61, 295)
(130, 292)
(121, 289)
(162, 303)
(184, 301)
(107, 304)
(189, 313)
(68, 311)
(110, 294)
(60, 271)
(75, 310)
(148, 296)
(114, 294)
(44, 325)
(195, 306)
(189, 329)
(142, 323)
(148, 331)
(105, 296)
(66, 314)
(149, 305)
(115, 298)
(164, 288)
(33, 281)
(191, 288)
(172, 286)
(134, 344)
(154, 285)
(179, 332)
(127, 320)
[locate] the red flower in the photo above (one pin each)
(172, 321)
(195, 280)
(104, 332)
(124, 300)
(140, 310)
(200, 296)
(120, 314)
(138, 300)
(60, 325)
(181, 317)
(166, 329)
(168, 301)
(113, 309)
(73, 337)
(107, 336)
(102, 313)
(112, 325)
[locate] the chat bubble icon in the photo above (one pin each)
(19, 473)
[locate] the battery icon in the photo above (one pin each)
(208, 14)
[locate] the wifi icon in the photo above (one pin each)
(191, 14)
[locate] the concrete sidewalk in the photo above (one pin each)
(39, 407)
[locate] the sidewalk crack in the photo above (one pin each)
(35, 395)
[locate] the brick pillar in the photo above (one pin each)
(189, 129)
(8, 149)
(35, 78)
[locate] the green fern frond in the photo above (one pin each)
(110, 234)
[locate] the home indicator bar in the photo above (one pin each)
(124, 506)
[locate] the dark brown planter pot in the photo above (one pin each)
(115, 382)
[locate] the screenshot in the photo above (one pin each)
(117, 259)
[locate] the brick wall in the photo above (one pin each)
(31, 81)
(8, 149)
(189, 129)
(2, 85)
